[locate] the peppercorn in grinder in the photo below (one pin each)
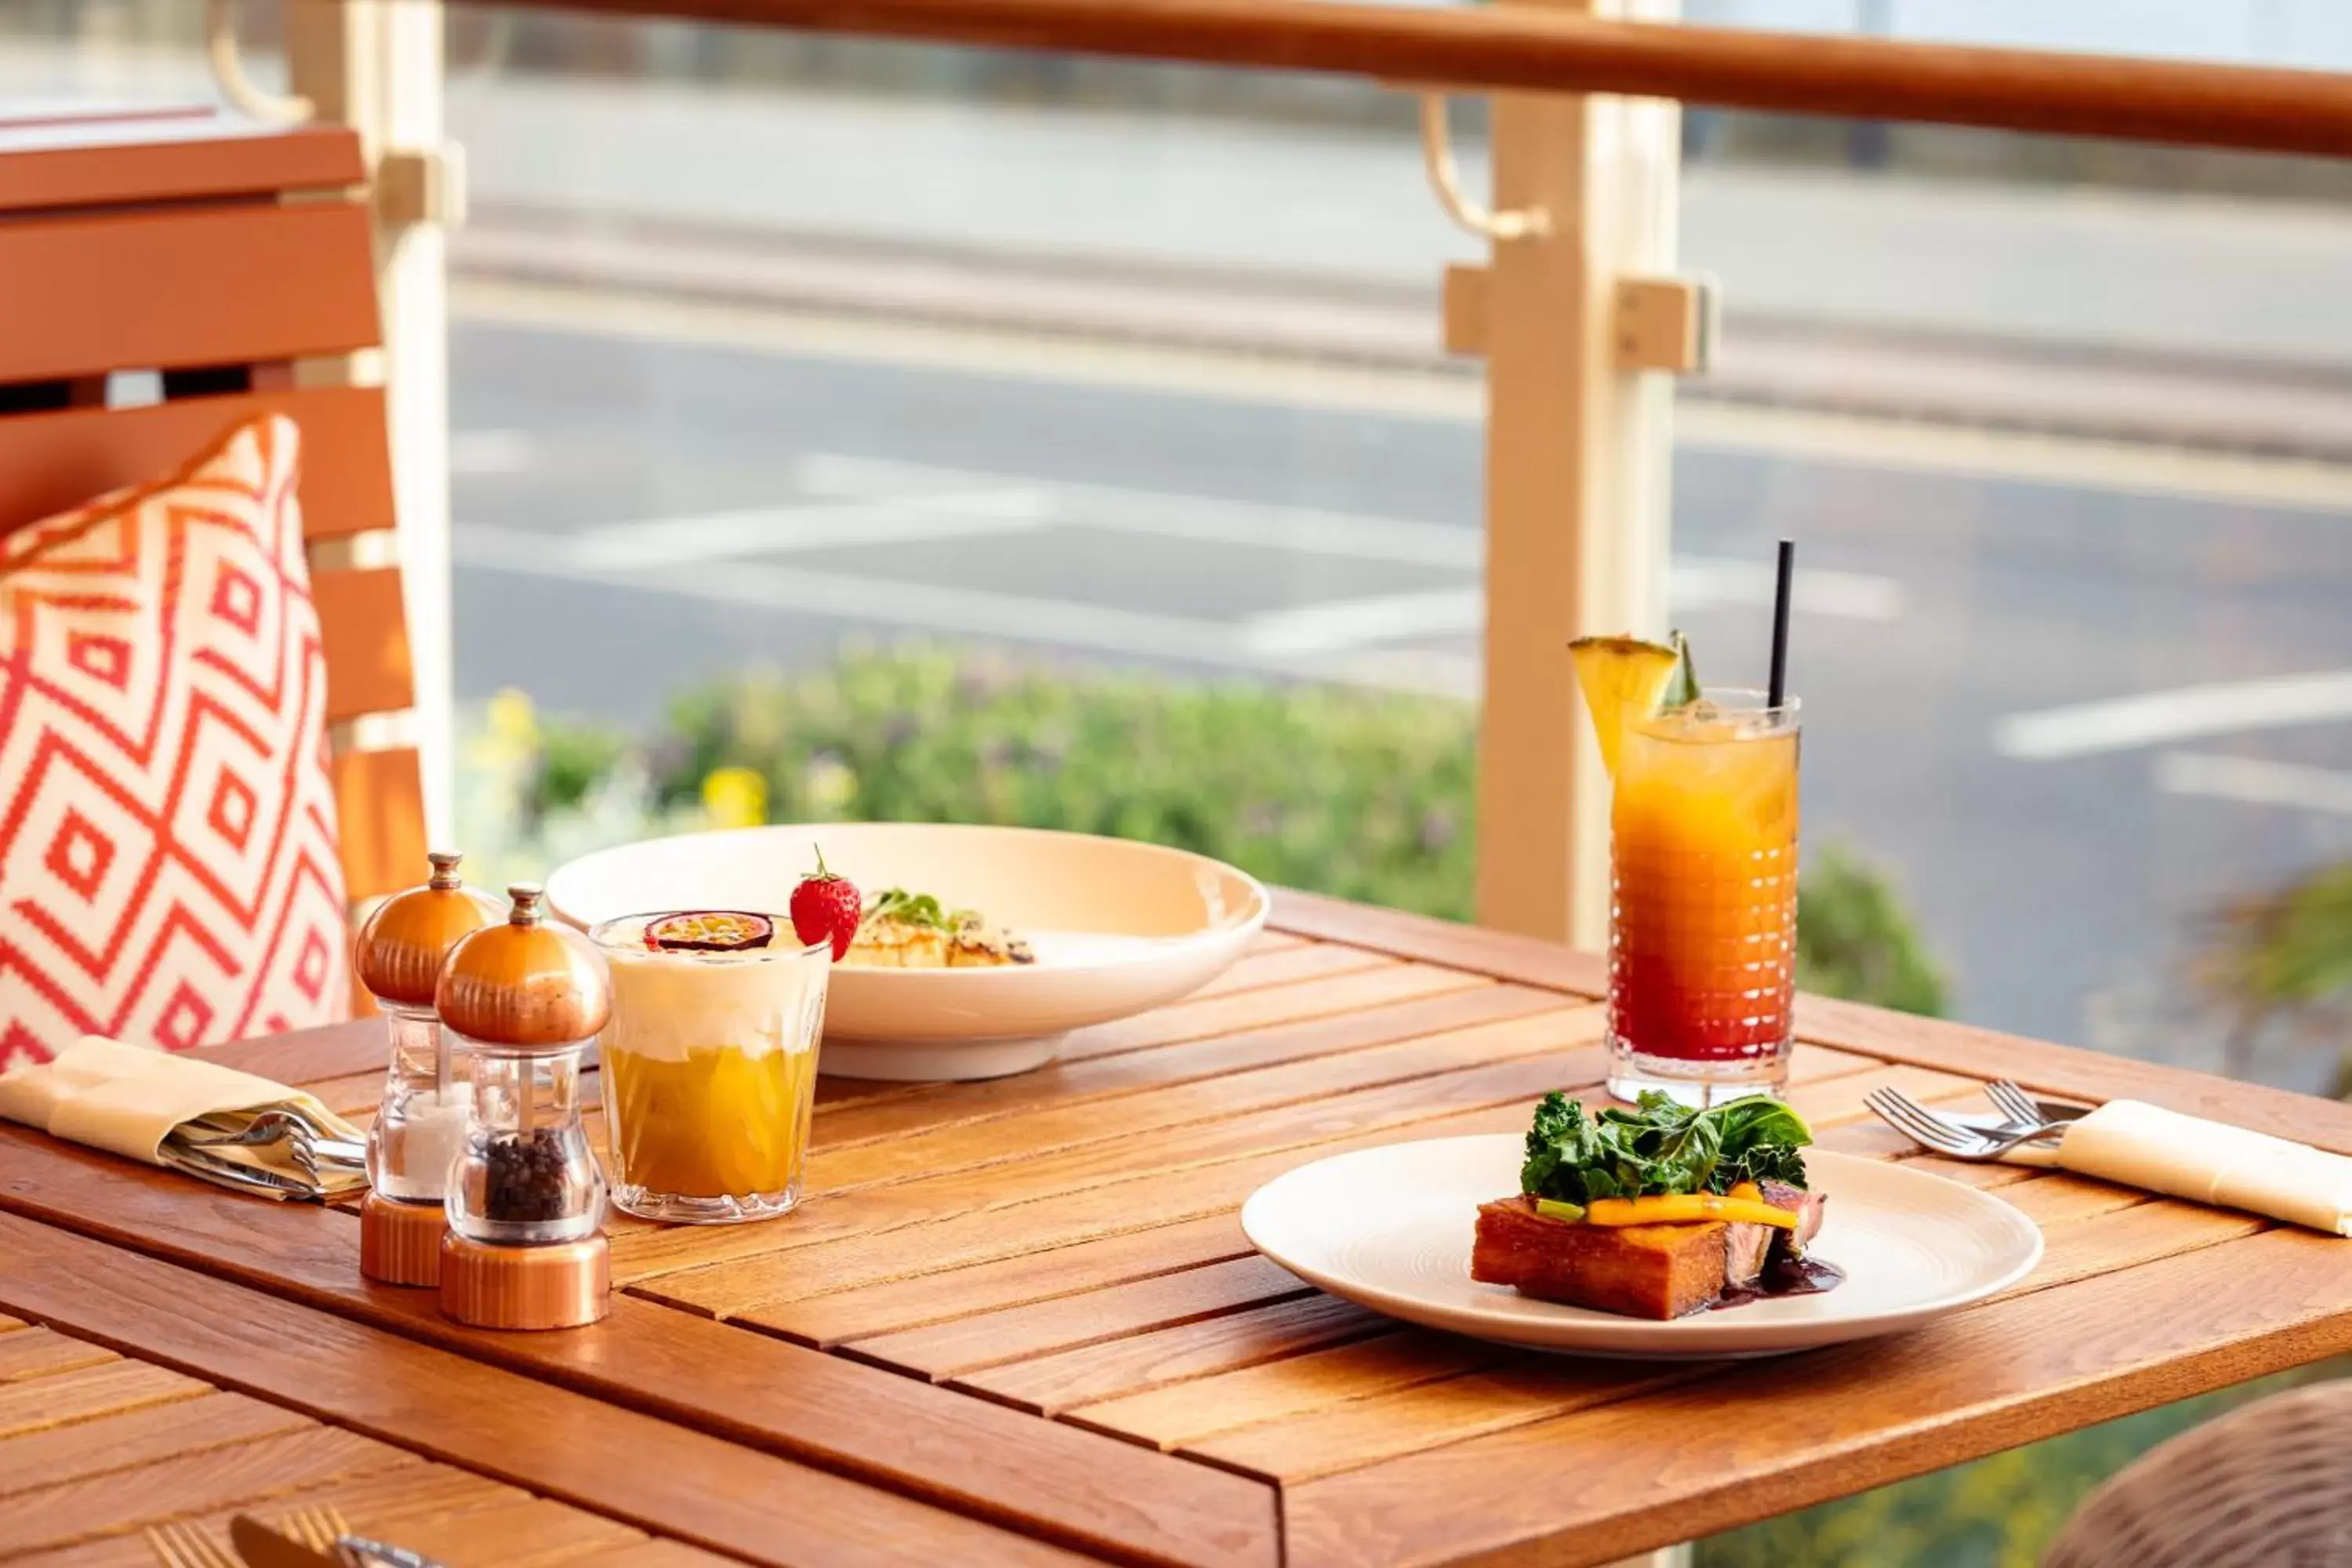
(421, 1124)
(523, 1001)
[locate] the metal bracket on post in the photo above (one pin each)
(228, 70)
(1445, 179)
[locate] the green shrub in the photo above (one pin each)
(1855, 939)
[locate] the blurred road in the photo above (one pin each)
(641, 505)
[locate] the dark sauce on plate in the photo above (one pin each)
(1785, 1276)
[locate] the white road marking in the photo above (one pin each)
(2254, 781)
(1711, 582)
(822, 525)
(491, 452)
(1160, 514)
(2153, 718)
(1337, 623)
(1059, 623)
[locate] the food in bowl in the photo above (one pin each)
(901, 929)
(1657, 1211)
(709, 1063)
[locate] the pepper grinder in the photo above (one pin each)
(421, 1124)
(523, 1001)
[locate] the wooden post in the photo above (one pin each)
(1578, 446)
(375, 66)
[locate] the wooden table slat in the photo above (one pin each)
(243, 1475)
(1052, 1384)
(1301, 961)
(1517, 1392)
(650, 1554)
(1296, 1003)
(88, 1393)
(523, 1532)
(919, 1300)
(1015, 1333)
(43, 1353)
(384, 1503)
(132, 1437)
(1186, 1412)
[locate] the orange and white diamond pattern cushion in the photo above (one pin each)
(168, 865)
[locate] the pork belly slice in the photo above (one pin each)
(1638, 1270)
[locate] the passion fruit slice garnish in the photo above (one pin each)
(708, 931)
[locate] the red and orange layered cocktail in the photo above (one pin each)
(1703, 863)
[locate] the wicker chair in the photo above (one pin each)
(2269, 1486)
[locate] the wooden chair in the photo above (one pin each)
(219, 255)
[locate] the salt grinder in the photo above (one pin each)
(523, 1001)
(420, 1125)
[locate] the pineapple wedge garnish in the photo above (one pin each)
(1623, 679)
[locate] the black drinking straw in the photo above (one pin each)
(1788, 566)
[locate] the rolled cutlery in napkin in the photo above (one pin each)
(143, 1104)
(2144, 1145)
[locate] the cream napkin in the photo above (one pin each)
(2144, 1145)
(131, 1100)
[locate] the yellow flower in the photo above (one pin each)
(512, 718)
(829, 784)
(735, 797)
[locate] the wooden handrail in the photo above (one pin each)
(2255, 108)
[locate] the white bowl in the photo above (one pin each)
(1118, 928)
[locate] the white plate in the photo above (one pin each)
(1117, 927)
(1391, 1228)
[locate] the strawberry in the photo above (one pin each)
(827, 907)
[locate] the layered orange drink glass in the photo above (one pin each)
(709, 1063)
(1703, 866)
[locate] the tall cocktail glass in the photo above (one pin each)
(1703, 920)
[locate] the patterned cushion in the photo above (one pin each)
(168, 866)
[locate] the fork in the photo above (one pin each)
(1924, 1127)
(2018, 1106)
(319, 1527)
(272, 1126)
(181, 1544)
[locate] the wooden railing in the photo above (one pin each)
(1491, 47)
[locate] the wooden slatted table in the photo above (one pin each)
(97, 1446)
(1017, 1321)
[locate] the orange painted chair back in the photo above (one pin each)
(218, 257)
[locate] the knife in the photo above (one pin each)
(262, 1547)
